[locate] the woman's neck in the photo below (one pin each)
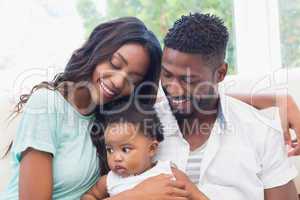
(79, 98)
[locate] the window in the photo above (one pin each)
(289, 19)
(159, 16)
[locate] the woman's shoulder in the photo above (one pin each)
(43, 100)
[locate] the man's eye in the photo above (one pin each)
(187, 80)
(126, 149)
(167, 75)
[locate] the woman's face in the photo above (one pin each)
(118, 76)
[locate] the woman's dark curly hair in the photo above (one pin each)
(104, 40)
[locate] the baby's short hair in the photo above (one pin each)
(144, 116)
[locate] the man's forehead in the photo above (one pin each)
(182, 62)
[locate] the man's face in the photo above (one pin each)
(190, 85)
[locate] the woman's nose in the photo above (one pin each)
(119, 80)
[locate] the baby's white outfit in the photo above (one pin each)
(116, 184)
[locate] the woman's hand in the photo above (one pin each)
(88, 197)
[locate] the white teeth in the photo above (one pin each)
(179, 101)
(106, 89)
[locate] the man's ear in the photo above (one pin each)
(221, 72)
(153, 148)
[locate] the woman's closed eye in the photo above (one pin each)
(115, 66)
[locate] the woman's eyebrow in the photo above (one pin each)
(122, 58)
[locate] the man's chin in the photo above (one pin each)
(181, 114)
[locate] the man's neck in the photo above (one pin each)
(197, 128)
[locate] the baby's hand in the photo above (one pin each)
(88, 197)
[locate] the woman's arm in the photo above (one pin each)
(98, 191)
(35, 181)
(289, 114)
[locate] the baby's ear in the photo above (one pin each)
(153, 148)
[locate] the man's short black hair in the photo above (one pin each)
(198, 33)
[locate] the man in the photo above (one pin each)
(223, 145)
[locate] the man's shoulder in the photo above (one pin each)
(245, 114)
(253, 125)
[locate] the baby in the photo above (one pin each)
(131, 139)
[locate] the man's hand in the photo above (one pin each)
(195, 193)
(162, 187)
(290, 119)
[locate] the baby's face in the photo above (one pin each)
(129, 152)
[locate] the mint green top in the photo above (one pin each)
(49, 123)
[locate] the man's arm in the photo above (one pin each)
(98, 191)
(289, 114)
(286, 192)
(160, 187)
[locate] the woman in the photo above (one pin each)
(53, 154)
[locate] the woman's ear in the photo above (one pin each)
(153, 148)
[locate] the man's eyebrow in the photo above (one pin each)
(182, 76)
(187, 76)
(164, 68)
(122, 58)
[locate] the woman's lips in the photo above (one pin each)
(109, 92)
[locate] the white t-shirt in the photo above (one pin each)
(193, 166)
(116, 184)
(245, 152)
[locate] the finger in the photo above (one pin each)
(294, 151)
(177, 198)
(177, 184)
(297, 131)
(175, 192)
(287, 136)
(162, 177)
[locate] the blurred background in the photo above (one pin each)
(38, 36)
